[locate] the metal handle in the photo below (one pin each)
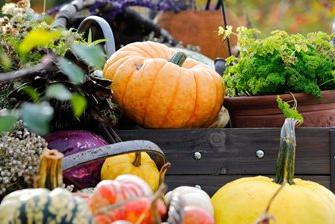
(99, 26)
(217, 7)
(220, 65)
(115, 149)
(69, 11)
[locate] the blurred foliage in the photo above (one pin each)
(291, 15)
(294, 16)
(25, 36)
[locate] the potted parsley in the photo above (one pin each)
(296, 67)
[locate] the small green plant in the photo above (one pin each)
(25, 36)
(279, 63)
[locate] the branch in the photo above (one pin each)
(46, 64)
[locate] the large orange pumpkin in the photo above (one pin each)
(160, 88)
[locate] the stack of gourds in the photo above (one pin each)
(129, 199)
(160, 88)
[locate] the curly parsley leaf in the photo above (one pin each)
(280, 63)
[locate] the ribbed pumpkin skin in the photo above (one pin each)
(159, 94)
(243, 201)
(42, 206)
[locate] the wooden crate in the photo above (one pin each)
(228, 154)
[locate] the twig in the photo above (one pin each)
(295, 101)
(107, 134)
(225, 22)
(208, 4)
(218, 4)
(116, 136)
(265, 218)
(46, 64)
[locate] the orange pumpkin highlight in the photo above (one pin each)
(157, 93)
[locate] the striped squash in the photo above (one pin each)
(41, 206)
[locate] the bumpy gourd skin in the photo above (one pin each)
(123, 164)
(244, 200)
(32, 206)
(159, 94)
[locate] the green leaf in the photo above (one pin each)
(75, 73)
(8, 120)
(89, 36)
(90, 54)
(96, 42)
(36, 117)
(38, 38)
(79, 104)
(5, 62)
(59, 92)
(32, 92)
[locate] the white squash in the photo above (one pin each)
(193, 196)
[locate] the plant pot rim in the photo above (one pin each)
(327, 96)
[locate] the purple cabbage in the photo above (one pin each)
(70, 142)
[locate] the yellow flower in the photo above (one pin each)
(225, 32)
(221, 31)
(241, 29)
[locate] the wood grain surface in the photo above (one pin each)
(227, 154)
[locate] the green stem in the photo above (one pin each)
(137, 160)
(286, 155)
(178, 58)
(44, 6)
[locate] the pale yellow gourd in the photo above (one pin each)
(244, 200)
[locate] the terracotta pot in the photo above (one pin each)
(199, 28)
(262, 111)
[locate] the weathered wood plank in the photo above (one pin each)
(233, 151)
(211, 184)
(332, 159)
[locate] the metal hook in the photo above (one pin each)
(104, 28)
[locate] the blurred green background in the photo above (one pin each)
(291, 15)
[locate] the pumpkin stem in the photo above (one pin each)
(163, 171)
(153, 210)
(137, 160)
(178, 58)
(286, 155)
(159, 194)
(50, 170)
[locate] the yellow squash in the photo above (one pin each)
(139, 164)
(298, 202)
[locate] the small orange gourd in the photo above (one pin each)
(160, 88)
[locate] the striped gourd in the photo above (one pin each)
(41, 206)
